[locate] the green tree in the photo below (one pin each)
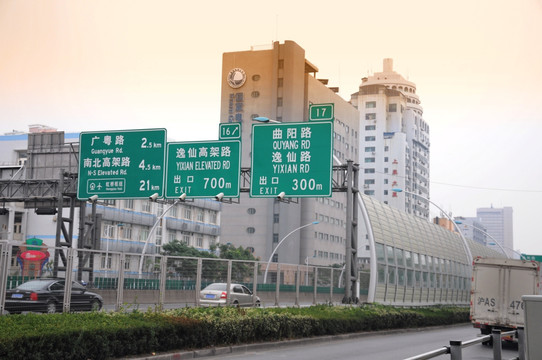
(177, 248)
(230, 252)
(225, 251)
(212, 270)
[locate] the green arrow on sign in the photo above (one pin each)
(229, 131)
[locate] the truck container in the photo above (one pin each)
(496, 291)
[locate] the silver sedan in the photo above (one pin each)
(216, 295)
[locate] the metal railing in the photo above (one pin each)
(455, 349)
(169, 281)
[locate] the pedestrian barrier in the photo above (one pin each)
(455, 349)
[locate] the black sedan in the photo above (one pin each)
(46, 295)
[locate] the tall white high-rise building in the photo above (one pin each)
(394, 145)
(499, 224)
(472, 228)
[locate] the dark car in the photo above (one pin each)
(46, 295)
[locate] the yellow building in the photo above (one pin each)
(279, 83)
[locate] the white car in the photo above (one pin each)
(216, 295)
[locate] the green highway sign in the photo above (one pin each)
(532, 257)
(229, 131)
(294, 158)
(321, 112)
(203, 169)
(121, 163)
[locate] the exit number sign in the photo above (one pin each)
(321, 112)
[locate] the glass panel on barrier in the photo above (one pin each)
(408, 259)
(35, 279)
(180, 289)
(141, 288)
(324, 285)
(99, 272)
(400, 276)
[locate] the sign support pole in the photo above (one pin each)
(350, 295)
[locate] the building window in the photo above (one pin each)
(275, 237)
(201, 216)
(369, 181)
(370, 104)
(370, 149)
(127, 232)
(214, 217)
(280, 82)
(255, 77)
(108, 231)
(129, 204)
(186, 240)
(385, 159)
(158, 237)
(251, 230)
(187, 213)
(370, 116)
(369, 192)
(369, 171)
(143, 234)
(370, 138)
(212, 240)
(369, 160)
(279, 101)
(386, 148)
(146, 206)
(255, 94)
(281, 64)
(199, 242)
(392, 108)
(370, 127)
(104, 264)
(109, 202)
(275, 218)
(251, 211)
(275, 258)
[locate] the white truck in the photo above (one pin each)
(496, 290)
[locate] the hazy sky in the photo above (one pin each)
(477, 64)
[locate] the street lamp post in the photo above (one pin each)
(264, 119)
(495, 242)
(306, 271)
(465, 244)
(280, 242)
(180, 199)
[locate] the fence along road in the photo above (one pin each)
(172, 281)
